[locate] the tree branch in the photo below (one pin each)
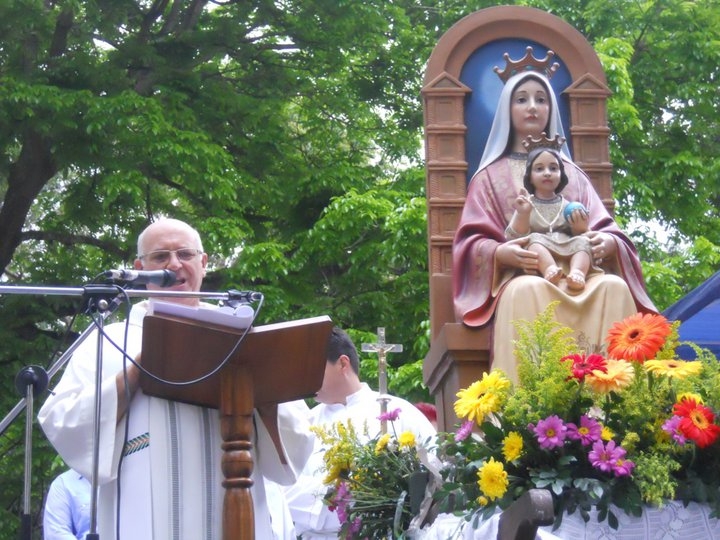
(63, 25)
(73, 239)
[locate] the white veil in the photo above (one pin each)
(499, 136)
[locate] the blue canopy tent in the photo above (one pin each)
(699, 313)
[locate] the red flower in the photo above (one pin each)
(638, 337)
(584, 365)
(697, 422)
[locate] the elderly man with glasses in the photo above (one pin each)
(160, 470)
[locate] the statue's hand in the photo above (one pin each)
(522, 202)
(579, 221)
(603, 245)
(513, 254)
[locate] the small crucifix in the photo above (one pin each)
(382, 348)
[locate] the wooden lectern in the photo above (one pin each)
(273, 364)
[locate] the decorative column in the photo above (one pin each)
(590, 133)
(445, 185)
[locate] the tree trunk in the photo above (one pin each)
(33, 169)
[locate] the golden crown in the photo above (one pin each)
(531, 143)
(527, 63)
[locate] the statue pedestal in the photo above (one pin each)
(458, 356)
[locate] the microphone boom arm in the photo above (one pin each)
(82, 291)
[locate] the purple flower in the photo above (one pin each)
(587, 433)
(464, 431)
(605, 457)
(341, 501)
(550, 432)
(342, 512)
(389, 416)
(672, 427)
(343, 492)
(623, 467)
(355, 526)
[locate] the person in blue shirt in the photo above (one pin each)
(67, 508)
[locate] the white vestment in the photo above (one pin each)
(313, 520)
(168, 464)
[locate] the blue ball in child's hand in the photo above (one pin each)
(571, 207)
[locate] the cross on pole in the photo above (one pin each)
(382, 348)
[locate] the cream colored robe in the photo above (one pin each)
(170, 480)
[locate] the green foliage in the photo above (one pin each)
(557, 429)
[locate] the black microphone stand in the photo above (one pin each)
(98, 308)
(103, 300)
(30, 382)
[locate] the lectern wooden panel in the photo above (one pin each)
(271, 364)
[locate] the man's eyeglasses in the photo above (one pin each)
(162, 256)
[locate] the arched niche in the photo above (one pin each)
(460, 95)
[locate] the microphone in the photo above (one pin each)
(244, 296)
(163, 278)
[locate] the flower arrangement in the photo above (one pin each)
(376, 482)
(632, 427)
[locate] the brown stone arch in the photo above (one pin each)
(521, 22)
(458, 354)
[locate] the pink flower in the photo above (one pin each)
(584, 365)
(464, 431)
(341, 501)
(623, 467)
(605, 457)
(390, 416)
(672, 428)
(587, 433)
(355, 526)
(550, 432)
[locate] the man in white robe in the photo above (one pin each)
(343, 397)
(159, 472)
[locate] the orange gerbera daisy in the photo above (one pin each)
(697, 422)
(617, 375)
(638, 337)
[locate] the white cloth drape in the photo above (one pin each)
(672, 521)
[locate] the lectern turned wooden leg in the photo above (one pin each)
(236, 424)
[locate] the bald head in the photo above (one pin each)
(173, 245)
(167, 224)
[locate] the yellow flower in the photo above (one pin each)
(690, 395)
(512, 446)
(482, 500)
(320, 431)
(407, 439)
(619, 375)
(382, 443)
(493, 479)
(678, 369)
(482, 397)
(607, 434)
(342, 440)
(338, 459)
(360, 475)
